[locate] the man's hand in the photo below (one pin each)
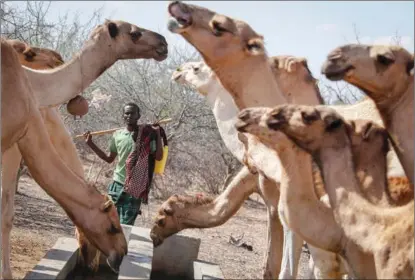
(88, 137)
(156, 128)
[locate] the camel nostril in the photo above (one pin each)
(244, 115)
(241, 126)
(114, 261)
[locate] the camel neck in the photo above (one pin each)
(399, 121)
(224, 110)
(351, 210)
(298, 195)
(251, 83)
(224, 206)
(57, 86)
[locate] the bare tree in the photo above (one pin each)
(198, 158)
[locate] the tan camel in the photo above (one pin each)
(109, 42)
(37, 58)
(323, 133)
(237, 56)
(126, 41)
(385, 74)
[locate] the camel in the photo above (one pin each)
(322, 132)
(22, 127)
(385, 74)
(37, 58)
(237, 55)
(122, 41)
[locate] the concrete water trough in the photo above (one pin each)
(176, 258)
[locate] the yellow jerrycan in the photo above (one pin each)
(161, 164)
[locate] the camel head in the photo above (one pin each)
(382, 72)
(306, 126)
(288, 69)
(175, 215)
(217, 37)
(109, 237)
(128, 41)
(195, 74)
(36, 58)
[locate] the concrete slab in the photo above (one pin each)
(176, 255)
(206, 270)
(57, 262)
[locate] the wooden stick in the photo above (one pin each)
(101, 132)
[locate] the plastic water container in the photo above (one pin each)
(161, 164)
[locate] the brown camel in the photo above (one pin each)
(236, 54)
(385, 74)
(323, 133)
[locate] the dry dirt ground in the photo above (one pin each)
(39, 221)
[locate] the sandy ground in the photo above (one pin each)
(39, 222)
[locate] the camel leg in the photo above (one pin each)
(11, 162)
(270, 193)
(292, 249)
(327, 265)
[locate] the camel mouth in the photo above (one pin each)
(114, 261)
(334, 72)
(176, 76)
(162, 53)
(180, 16)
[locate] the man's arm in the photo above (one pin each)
(159, 144)
(108, 158)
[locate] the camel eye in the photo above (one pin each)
(113, 230)
(384, 60)
(217, 29)
(160, 223)
(135, 35)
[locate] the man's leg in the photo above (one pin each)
(129, 209)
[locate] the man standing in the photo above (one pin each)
(122, 144)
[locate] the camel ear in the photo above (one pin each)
(255, 46)
(29, 53)
(310, 117)
(112, 28)
(168, 210)
(332, 122)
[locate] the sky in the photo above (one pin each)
(309, 29)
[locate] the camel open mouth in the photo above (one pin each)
(180, 16)
(334, 73)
